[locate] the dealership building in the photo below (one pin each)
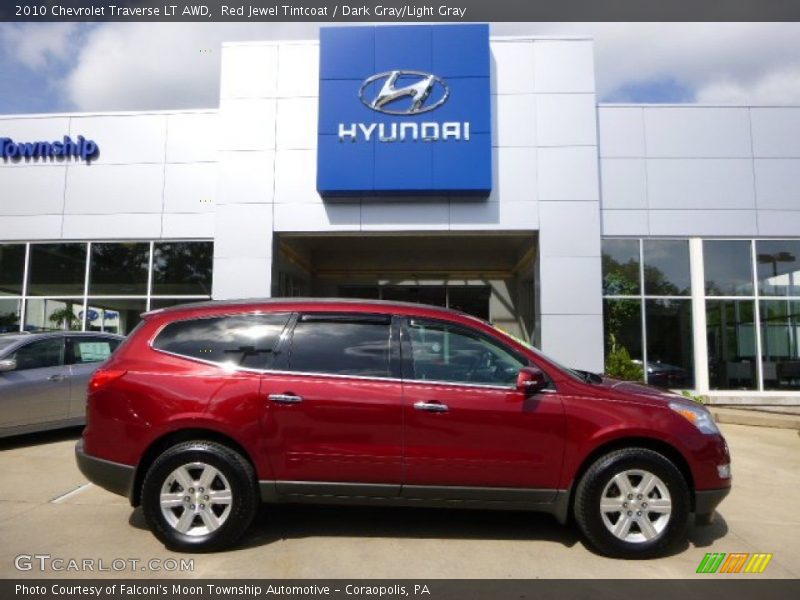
(429, 164)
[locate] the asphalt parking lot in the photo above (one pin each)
(47, 508)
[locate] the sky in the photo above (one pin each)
(67, 67)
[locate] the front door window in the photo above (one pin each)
(442, 352)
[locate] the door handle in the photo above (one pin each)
(431, 406)
(57, 377)
(285, 398)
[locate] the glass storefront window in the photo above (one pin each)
(778, 267)
(666, 267)
(622, 323)
(119, 269)
(473, 300)
(728, 267)
(182, 268)
(157, 303)
(114, 316)
(621, 267)
(731, 334)
(670, 360)
(58, 276)
(358, 291)
(780, 347)
(51, 314)
(434, 295)
(9, 314)
(57, 270)
(12, 269)
(736, 339)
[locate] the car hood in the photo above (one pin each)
(631, 390)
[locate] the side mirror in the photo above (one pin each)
(531, 380)
(7, 364)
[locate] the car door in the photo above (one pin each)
(333, 419)
(465, 422)
(37, 391)
(84, 355)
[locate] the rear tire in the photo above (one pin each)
(199, 496)
(633, 503)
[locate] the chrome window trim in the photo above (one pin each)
(251, 312)
(423, 382)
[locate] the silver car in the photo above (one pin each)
(43, 378)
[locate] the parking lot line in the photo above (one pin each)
(70, 494)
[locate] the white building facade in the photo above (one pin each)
(671, 231)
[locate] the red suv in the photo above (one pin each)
(208, 408)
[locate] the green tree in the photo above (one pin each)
(620, 365)
(64, 318)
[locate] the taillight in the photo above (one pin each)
(102, 377)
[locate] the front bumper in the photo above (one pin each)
(705, 501)
(112, 476)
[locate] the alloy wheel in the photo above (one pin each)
(635, 506)
(196, 499)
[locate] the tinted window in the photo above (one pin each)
(181, 268)
(666, 267)
(778, 267)
(119, 269)
(621, 267)
(92, 349)
(49, 314)
(728, 268)
(670, 359)
(622, 322)
(731, 334)
(246, 340)
(449, 353)
(341, 347)
(110, 315)
(41, 354)
(780, 324)
(157, 303)
(12, 266)
(9, 315)
(57, 269)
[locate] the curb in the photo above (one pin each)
(754, 418)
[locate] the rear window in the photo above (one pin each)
(341, 346)
(244, 340)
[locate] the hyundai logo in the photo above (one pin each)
(420, 92)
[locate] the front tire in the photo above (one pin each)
(199, 496)
(633, 503)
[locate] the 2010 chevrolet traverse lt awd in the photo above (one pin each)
(208, 408)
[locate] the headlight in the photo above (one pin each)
(696, 415)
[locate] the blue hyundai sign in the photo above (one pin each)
(404, 110)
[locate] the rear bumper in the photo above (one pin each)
(112, 476)
(706, 501)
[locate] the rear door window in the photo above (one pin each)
(92, 349)
(342, 345)
(243, 340)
